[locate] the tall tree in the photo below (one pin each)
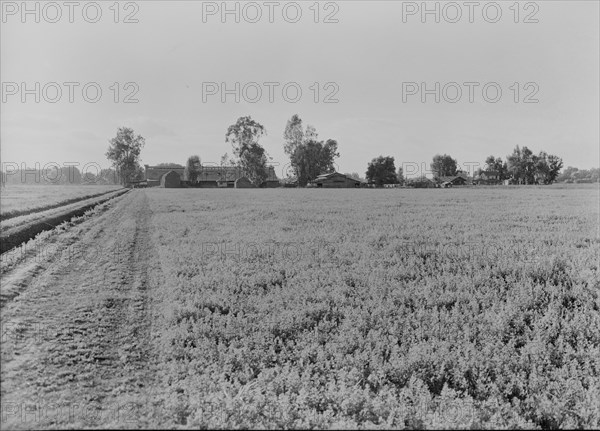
(243, 134)
(498, 165)
(253, 162)
(528, 160)
(252, 158)
(382, 170)
(313, 158)
(192, 169)
(443, 166)
(293, 135)
(515, 165)
(401, 179)
(555, 164)
(309, 157)
(124, 153)
(521, 165)
(528, 168)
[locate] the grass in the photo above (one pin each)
(18, 200)
(380, 308)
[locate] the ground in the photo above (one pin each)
(309, 308)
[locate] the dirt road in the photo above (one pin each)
(78, 325)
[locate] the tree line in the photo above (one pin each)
(520, 167)
(310, 157)
(65, 175)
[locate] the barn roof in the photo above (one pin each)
(333, 174)
(156, 172)
(451, 179)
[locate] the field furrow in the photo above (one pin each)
(77, 349)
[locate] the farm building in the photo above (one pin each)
(460, 179)
(244, 183)
(225, 176)
(488, 177)
(170, 180)
(154, 174)
(208, 177)
(452, 181)
(336, 180)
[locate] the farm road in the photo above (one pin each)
(77, 341)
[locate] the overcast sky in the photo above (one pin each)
(365, 56)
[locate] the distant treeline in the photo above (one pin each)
(66, 175)
(574, 175)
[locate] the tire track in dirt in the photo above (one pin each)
(78, 342)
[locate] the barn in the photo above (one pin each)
(335, 180)
(170, 180)
(243, 183)
(154, 174)
(456, 180)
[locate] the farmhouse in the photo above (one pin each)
(336, 180)
(488, 177)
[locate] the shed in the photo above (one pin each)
(243, 183)
(456, 180)
(336, 180)
(170, 180)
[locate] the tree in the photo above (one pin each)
(355, 175)
(571, 174)
(382, 170)
(555, 164)
(528, 162)
(254, 164)
(514, 163)
(226, 160)
(244, 136)
(313, 158)
(443, 166)
(495, 164)
(124, 153)
(528, 168)
(107, 176)
(309, 157)
(401, 179)
(521, 165)
(192, 169)
(293, 135)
